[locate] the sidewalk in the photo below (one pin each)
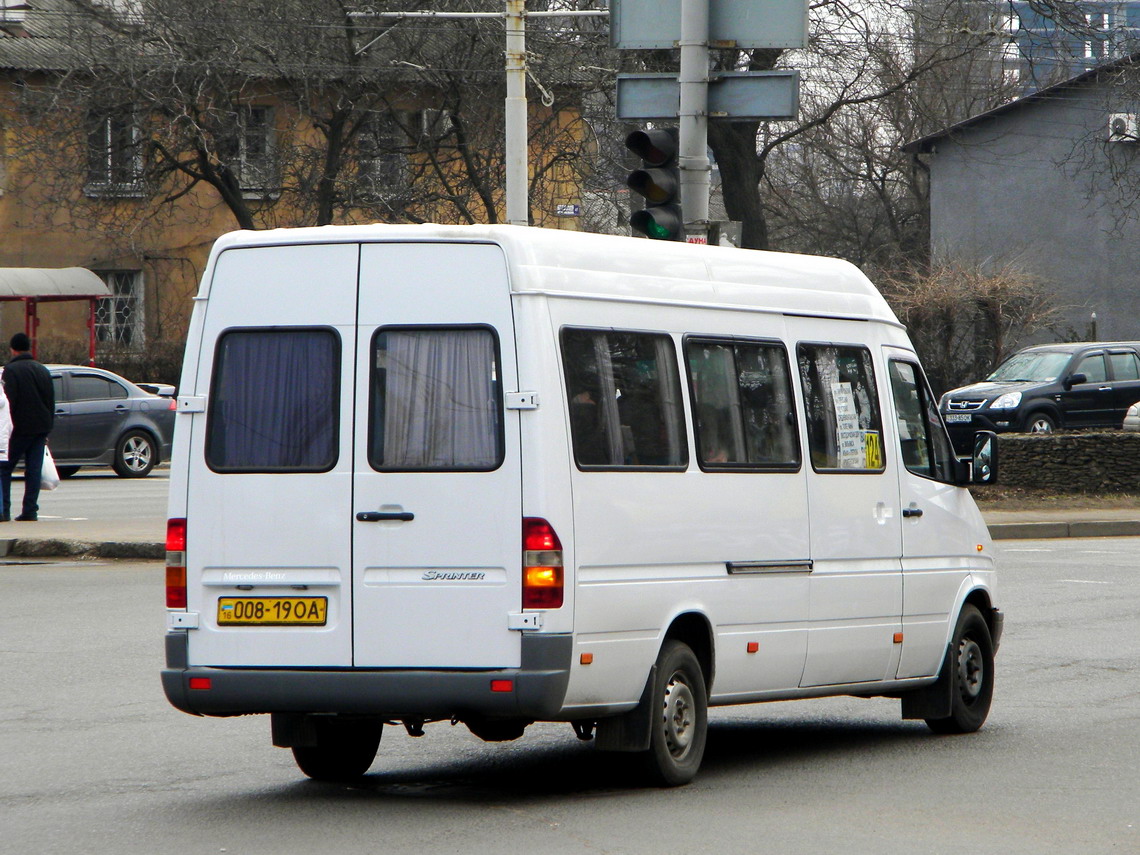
(58, 538)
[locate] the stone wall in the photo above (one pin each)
(1071, 462)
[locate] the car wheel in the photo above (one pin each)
(135, 455)
(1040, 423)
(66, 471)
(972, 678)
(344, 750)
(679, 726)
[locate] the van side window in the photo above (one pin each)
(624, 396)
(274, 401)
(845, 430)
(742, 405)
(435, 400)
(925, 444)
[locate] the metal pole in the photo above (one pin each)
(693, 127)
(516, 125)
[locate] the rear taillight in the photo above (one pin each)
(173, 405)
(176, 564)
(542, 566)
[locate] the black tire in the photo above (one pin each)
(344, 750)
(971, 677)
(66, 471)
(1040, 422)
(680, 722)
(135, 454)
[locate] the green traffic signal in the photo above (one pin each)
(658, 181)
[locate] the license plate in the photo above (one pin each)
(273, 611)
(958, 417)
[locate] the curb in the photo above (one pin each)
(56, 548)
(1045, 530)
(25, 547)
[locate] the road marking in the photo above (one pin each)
(1086, 582)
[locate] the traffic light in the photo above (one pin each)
(659, 181)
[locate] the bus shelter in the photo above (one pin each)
(35, 285)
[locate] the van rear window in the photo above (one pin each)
(436, 400)
(624, 396)
(274, 401)
(845, 429)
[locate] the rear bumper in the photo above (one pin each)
(538, 687)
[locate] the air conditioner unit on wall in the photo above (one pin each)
(1123, 127)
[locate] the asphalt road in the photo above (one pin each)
(95, 761)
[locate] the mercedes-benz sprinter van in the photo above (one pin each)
(496, 475)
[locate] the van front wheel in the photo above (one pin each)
(971, 677)
(344, 750)
(679, 725)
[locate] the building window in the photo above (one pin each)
(257, 152)
(382, 160)
(118, 318)
(114, 157)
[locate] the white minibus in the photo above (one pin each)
(498, 475)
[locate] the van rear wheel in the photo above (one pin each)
(972, 677)
(344, 750)
(679, 726)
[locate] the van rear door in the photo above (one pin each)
(269, 489)
(437, 507)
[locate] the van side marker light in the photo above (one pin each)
(981, 547)
(754, 647)
(898, 638)
(502, 685)
(586, 658)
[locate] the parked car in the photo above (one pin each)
(103, 420)
(1045, 388)
(1132, 417)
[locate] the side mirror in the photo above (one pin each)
(984, 465)
(1074, 380)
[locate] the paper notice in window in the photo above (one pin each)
(852, 454)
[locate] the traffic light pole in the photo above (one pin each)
(693, 125)
(515, 115)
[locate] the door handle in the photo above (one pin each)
(912, 512)
(380, 516)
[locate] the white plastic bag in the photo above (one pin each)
(49, 476)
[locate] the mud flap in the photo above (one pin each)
(936, 700)
(629, 731)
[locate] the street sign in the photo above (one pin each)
(736, 95)
(732, 23)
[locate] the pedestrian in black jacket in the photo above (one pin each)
(31, 401)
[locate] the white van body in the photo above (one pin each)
(786, 573)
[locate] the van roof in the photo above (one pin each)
(553, 261)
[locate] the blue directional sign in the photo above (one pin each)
(732, 23)
(737, 95)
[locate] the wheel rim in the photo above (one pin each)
(136, 454)
(680, 716)
(1041, 426)
(971, 670)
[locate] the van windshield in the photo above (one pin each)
(1040, 366)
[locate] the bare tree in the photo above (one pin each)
(295, 111)
(965, 319)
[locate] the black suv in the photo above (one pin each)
(1040, 389)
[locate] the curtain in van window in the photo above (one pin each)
(435, 400)
(624, 398)
(274, 401)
